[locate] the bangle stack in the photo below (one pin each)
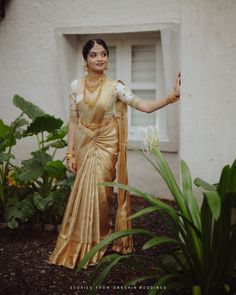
(69, 156)
(172, 98)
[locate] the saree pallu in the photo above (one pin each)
(99, 148)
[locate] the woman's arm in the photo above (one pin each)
(148, 106)
(154, 105)
(71, 134)
(70, 158)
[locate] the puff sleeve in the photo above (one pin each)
(126, 95)
(72, 99)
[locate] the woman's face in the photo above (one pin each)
(97, 58)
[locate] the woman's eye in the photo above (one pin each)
(93, 55)
(104, 54)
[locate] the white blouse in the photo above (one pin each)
(122, 92)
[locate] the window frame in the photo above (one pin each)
(169, 65)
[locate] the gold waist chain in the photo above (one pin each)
(94, 126)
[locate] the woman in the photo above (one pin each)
(96, 143)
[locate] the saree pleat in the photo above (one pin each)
(125, 244)
(87, 216)
(86, 220)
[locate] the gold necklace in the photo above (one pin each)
(92, 88)
(92, 101)
(92, 79)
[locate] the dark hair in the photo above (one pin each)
(89, 45)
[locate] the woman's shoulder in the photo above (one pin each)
(74, 84)
(110, 80)
(119, 84)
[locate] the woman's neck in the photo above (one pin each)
(93, 74)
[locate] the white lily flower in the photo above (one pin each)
(149, 136)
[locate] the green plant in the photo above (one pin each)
(9, 134)
(203, 258)
(44, 177)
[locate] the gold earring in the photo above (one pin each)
(85, 66)
(106, 67)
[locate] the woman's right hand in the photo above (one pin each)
(71, 165)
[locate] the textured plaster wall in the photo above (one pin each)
(29, 64)
(29, 57)
(28, 52)
(208, 58)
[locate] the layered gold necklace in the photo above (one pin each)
(91, 85)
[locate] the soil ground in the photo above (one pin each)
(23, 253)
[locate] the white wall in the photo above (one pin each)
(30, 66)
(29, 55)
(208, 58)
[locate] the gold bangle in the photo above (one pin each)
(72, 153)
(171, 98)
(69, 156)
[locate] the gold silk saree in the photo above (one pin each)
(99, 148)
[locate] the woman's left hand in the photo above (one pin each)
(175, 95)
(177, 85)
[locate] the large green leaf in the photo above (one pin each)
(43, 203)
(207, 231)
(143, 211)
(227, 181)
(174, 262)
(157, 241)
(10, 140)
(99, 267)
(59, 201)
(18, 211)
(55, 168)
(4, 129)
(190, 199)
(196, 290)
(27, 107)
(57, 134)
(7, 137)
(99, 280)
(30, 171)
(34, 167)
(151, 199)
(233, 177)
(186, 177)
(136, 261)
(205, 185)
(58, 144)
(162, 282)
(214, 203)
(170, 180)
(167, 174)
(43, 123)
(18, 123)
(108, 240)
(161, 206)
(194, 209)
(5, 157)
(108, 262)
(68, 181)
